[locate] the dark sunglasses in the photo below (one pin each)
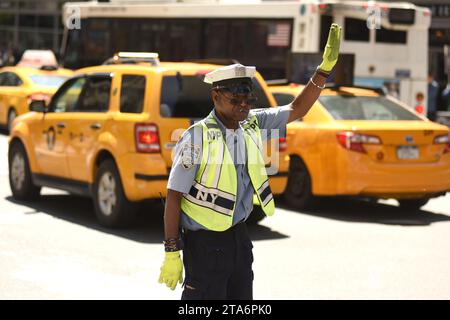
(250, 100)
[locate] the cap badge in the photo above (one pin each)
(240, 71)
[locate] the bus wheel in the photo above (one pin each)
(298, 193)
(112, 208)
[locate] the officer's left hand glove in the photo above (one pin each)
(171, 270)
(331, 53)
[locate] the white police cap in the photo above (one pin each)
(233, 71)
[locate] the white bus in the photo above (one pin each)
(389, 40)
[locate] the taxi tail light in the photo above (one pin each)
(355, 141)
(202, 72)
(443, 139)
(282, 144)
(146, 137)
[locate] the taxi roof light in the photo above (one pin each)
(144, 55)
(134, 58)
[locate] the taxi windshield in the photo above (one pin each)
(186, 96)
(349, 107)
(47, 80)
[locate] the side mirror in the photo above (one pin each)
(38, 106)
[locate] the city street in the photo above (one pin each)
(346, 249)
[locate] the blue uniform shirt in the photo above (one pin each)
(183, 170)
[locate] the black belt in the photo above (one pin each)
(230, 229)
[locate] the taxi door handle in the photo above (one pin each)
(61, 125)
(96, 126)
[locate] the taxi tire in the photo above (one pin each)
(256, 215)
(412, 204)
(124, 212)
(29, 191)
(298, 193)
(12, 114)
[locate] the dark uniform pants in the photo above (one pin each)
(218, 265)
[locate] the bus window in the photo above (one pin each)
(356, 30)
(73, 51)
(96, 40)
(268, 45)
(402, 16)
(238, 41)
(153, 37)
(325, 23)
(215, 32)
(390, 36)
(184, 39)
(126, 35)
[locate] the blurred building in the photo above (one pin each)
(30, 24)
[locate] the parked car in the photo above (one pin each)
(21, 85)
(109, 131)
(357, 141)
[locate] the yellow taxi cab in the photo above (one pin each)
(109, 132)
(21, 85)
(359, 142)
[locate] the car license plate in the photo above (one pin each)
(407, 152)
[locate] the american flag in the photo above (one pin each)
(279, 35)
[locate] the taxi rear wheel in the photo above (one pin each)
(298, 193)
(20, 180)
(112, 208)
(413, 204)
(11, 116)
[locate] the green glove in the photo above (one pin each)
(331, 53)
(171, 270)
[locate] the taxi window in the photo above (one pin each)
(10, 79)
(347, 107)
(48, 81)
(66, 98)
(391, 36)
(190, 97)
(95, 95)
(2, 78)
(132, 94)
(283, 98)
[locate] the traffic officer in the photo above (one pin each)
(217, 169)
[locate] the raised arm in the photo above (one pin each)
(305, 100)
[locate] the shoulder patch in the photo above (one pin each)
(190, 155)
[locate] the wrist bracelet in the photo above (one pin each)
(322, 73)
(173, 244)
(317, 86)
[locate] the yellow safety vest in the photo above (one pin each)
(212, 198)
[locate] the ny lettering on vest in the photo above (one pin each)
(213, 135)
(204, 196)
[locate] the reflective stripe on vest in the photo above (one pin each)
(212, 198)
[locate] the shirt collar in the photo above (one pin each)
(222, 126)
